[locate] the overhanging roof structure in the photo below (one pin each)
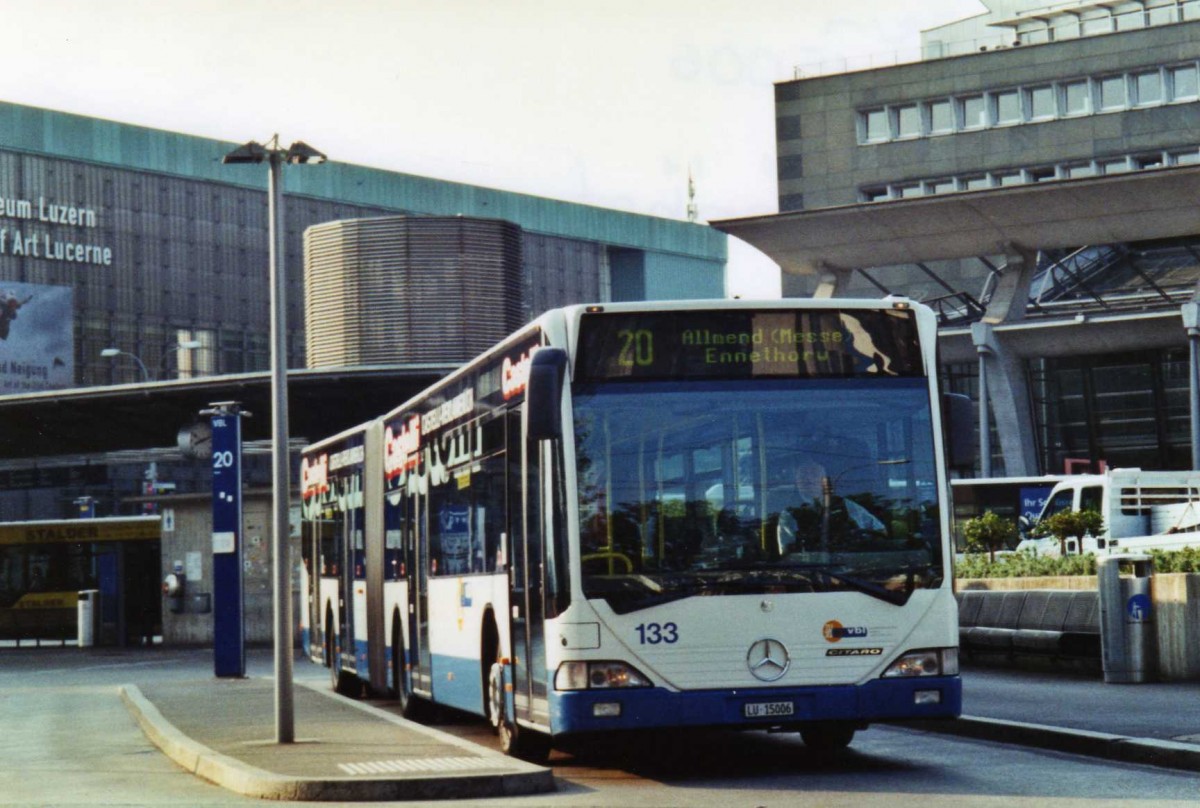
(90, 420)
(1138, 206)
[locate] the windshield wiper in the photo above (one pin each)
(860, 584)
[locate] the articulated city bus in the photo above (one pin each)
(600, 525)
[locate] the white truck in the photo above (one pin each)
(1142, 510)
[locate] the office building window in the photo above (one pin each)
(1119, 166)
(1008, 107)
(941, 117)
(1041, 102)
(1076, 98)
(1127, 409)
(1112, 92)
(1190, 9)
(1033, 104)
(976, 183)
(1041, 174)
(874, 194)
(941, 186)
(1146, 161)
(1186, 158)
(1076, 170)
(1184, 84)
(1008, 178)
(908, 121)
(1149, 87)
(971, 108)
(876, 125)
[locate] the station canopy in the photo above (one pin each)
(92, 420)
(1138, 206)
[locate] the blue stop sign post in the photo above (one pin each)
(229, 644)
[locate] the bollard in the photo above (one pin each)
(1128, 640)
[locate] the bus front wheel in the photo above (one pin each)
(522, 743)
(516, 741)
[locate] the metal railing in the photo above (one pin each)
(937, 49)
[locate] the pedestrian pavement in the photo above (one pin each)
(222, 730)
(1076, 711)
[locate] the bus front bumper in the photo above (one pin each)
(756, 708)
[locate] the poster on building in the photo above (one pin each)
(37, 349)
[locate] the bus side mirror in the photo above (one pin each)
(958, 415)
(543, 394)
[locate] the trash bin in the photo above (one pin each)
(1128, 640)
(88, 615)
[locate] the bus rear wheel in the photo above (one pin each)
(410, 705)
(340, 681)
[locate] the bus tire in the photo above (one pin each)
(491, 671)
(410, 705)
(526, 744)
(832, 736)
(341, 682)
(495, 696)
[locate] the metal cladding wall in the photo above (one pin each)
(400, 289)
(143, 239)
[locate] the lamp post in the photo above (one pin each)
(275, 156)
(1191, 323)
(111, 352)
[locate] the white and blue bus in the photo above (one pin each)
(597, 526)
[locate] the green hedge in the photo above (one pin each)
(1028, 565)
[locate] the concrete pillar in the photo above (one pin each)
(828, 283)
(1008, 301)
(1008, 394)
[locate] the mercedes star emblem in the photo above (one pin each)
(768, 660)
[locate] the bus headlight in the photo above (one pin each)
(597, 676)
(927, 662)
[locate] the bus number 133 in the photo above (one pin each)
(655, 633)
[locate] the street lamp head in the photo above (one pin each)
(252, 152)
(301, 152)
(190, 344)
(108, 352)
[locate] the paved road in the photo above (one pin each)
(67, 740)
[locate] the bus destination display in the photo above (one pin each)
(744, 344)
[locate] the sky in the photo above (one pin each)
(608, 103)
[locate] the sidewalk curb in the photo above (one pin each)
(251, 781)
(1124, 748)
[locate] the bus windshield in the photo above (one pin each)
(751, 486)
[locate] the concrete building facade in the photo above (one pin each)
(1034, 178)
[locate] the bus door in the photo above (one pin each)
(418, 594)
(528, 593)
(345, 630)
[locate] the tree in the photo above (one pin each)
(988, 533)
(1070, 524)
